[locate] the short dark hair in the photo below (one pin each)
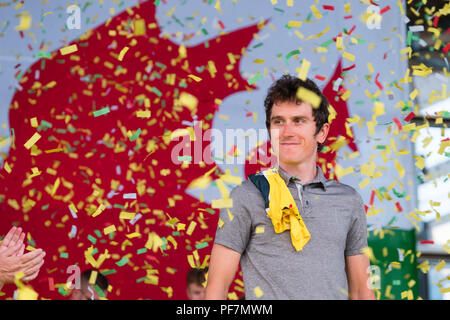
(197, 276)
(101, 280)
(285, 90)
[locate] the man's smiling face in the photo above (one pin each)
(292, 131)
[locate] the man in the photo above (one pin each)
(13, 260)
(195, 281)
(95, 291)
(296, 234)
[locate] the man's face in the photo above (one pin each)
(292, 129)
(195, 292)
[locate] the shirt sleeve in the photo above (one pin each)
(357, 235)
(237, 225)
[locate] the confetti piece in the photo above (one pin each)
(290, 3)
(259, 61)
(25, 21)
(99, 210)
(191, 228)
(409, 116)
(294, 24)
(303, 71)
(139, 27)
(195, 78)
(316, 12)
(122, 53)
(34, 122)
(109, 229)
(129, 196)
(255, 78)
(348, 56)
(258, 292)
(68, 50)
(308, 96)
(101, 112)
(222, 203)
(32, 140)
(7, 167)
(122, 262)
(26, 293)
(143, 114)
(127, 215)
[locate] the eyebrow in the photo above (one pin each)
(293, 117)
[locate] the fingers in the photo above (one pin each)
(13, 249)
(16, 236)
(31, 256)
(21, 250)
(32, 273)
(8, 237)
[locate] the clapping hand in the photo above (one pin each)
(13, 259)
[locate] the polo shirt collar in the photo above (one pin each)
(320, 178)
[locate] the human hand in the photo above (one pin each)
(14, 237)
(12, 263)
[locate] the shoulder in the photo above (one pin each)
(344, 191)
(246, 193)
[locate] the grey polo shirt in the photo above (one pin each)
(335, 217)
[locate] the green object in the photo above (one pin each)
(64, 255)
(397, 270)
(101, 112)
(255, 78)
(135, 135)
(122, 262)
(92, 239)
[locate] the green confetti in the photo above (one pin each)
(143, 250)
(201, 245)
(122, 262)
(92, 239)
(64, 255)
(101, 112)
(135, 135)
(255, 78)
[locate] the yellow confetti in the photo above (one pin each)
(420, 162)
(34, 122)
(32, 140)
(440, 265)
(316, 12)
(191, 228)
(309, 96)
(259, 229)
(258, 292)
(259, 61)
(348, 56)
(122, 53)
(195, 78)
(139, 27)
(99, 210)
(222, 203)
(143, 114)
(7, 167)
(364, 183)
(340, 171)
(294, 24)
(230, 215)
(25, 21)
(370, 67)
(68, 50)
(303, 71)
(93, 277)
(400, 169)
(127, 215)
(26, 293)
(346, 95)
(109, 229)
(217, 6)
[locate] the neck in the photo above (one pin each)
(306, 172)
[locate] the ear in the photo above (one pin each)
(323, 133)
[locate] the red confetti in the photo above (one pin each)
(426, 242)
(321, 78)
(379, 85)
(398, 206)
(435, 21)
(372, 197)
(384, 56)
(385, 9)
(348, 17)
(328, 7)
(221, 24)
(446, 48)
(51, 284)
(351, 30)
(409, 117)
(398, 123)
(349, 68)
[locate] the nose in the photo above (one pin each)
(287, 130)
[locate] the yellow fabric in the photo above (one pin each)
(284, 212)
